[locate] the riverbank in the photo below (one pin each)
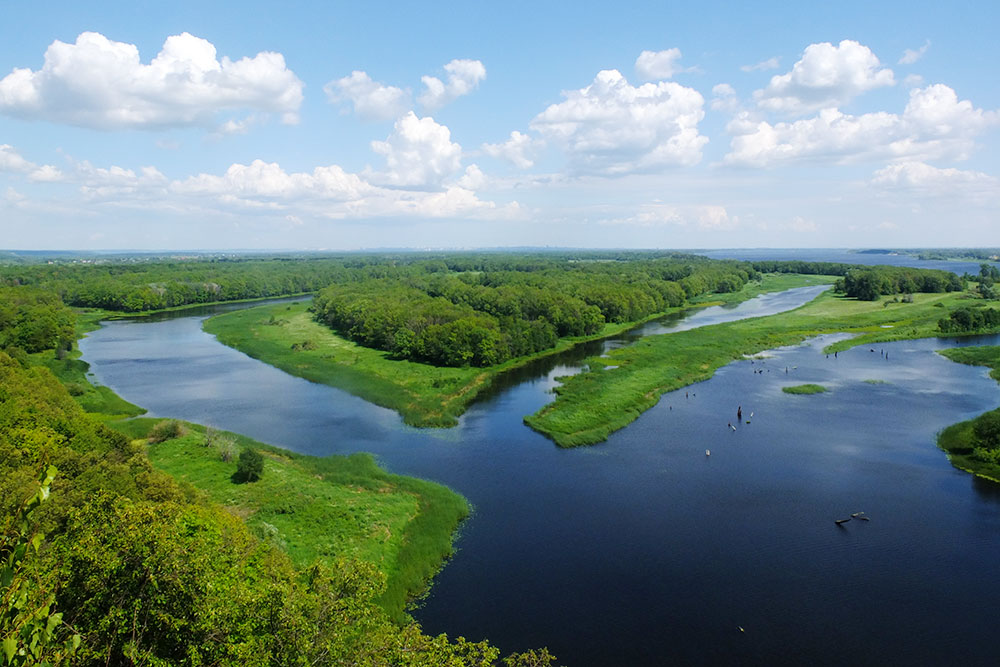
(628, 381)
(959, 441)
(321, 509)
(315, 509)
(287, 337)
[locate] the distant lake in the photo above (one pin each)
(845, 257)
(643, 550)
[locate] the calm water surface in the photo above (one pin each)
(643, 550)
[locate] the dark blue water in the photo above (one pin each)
(643, 550)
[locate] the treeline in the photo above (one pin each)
(968, 319)
(463, 311)
(142, 570)
(33, 320)
(869, 283)
(131, 286)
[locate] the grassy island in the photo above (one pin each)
(288, 336)
(592, 405)
(805, 389)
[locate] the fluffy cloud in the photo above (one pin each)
(934, 125)
(658, 65)
(371, 100)
(102, 84)
(826, 76)
(463, 77)
(266, 180)
(515, 150)
(419, 152)
(910, 56)
(724, 98)
(611, 127)
(923, 179)
(331, 192)
(11, 161)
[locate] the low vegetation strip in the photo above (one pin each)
(805, 389)
(592, 405)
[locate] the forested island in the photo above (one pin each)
(316, 561)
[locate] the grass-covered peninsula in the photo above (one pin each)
(974, 445)
(594, 404)
(289, 337)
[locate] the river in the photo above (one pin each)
(643, 550)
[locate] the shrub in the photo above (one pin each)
(166, 430)
(250, 466)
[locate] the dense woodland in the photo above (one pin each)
(482, 314)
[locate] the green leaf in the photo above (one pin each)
(9, 648)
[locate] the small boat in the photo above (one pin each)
(840, 521)
(863, 518)
(708, 453)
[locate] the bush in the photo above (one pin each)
(250, 466)
(166, 430)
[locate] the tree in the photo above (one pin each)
(249, 467)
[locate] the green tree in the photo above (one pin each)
(250, 466)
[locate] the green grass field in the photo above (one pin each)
(424, 395)
(592, 405)
(321, 509)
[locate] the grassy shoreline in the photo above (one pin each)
(313, 508)
(592, 405)
(958, 440)
(424, 395)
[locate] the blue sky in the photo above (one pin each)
(149, 125)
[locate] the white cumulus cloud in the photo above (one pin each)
(100, 83)
(371, 100)
(934, 125)
(463, 77)
(611, 127)
(516, 150)
(11, 160)
(826, 76)
(419, 152)
(658, 65)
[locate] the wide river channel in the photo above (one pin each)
(643, 550)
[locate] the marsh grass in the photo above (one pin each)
(592, 405)
(805, 389)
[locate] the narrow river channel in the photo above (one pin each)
(643, 550)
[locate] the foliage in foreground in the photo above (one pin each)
(148, 571)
